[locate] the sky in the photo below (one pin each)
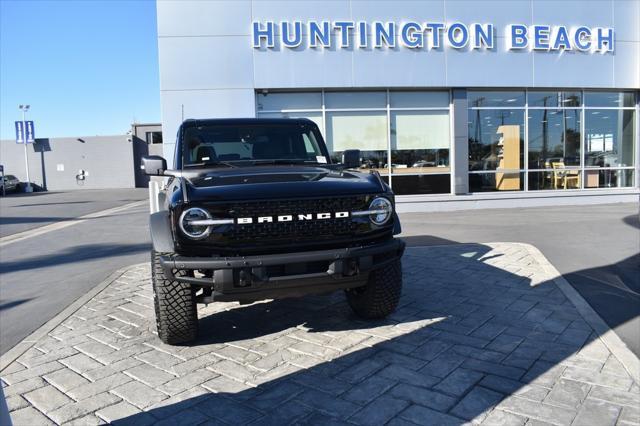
(86, 67)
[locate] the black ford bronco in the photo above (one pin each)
(256, 209)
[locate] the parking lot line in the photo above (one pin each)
(20, 236)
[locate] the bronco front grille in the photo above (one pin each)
(295, 230)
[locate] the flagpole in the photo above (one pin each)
(24, 109)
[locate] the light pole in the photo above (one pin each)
(24, 109)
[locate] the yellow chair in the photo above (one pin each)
(563, 176)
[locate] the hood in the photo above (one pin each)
(246, 183)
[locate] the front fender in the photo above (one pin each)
(397, 227)
(161, 235)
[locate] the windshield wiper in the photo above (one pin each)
(210, 163)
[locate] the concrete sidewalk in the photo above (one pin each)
(483, 334)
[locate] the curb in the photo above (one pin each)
(25, 344)
(607, 336)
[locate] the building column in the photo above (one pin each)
(460, 161)
(637, 141)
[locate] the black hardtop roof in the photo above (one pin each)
(195, 122)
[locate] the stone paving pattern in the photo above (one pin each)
(481, 336)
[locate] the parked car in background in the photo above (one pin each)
(9, 183)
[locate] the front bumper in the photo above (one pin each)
(283, 275)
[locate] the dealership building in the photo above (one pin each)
(457, 104)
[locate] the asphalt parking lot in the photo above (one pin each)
(41, 275)
(21, 212)
(481, 335)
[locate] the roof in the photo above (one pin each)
(243, 121)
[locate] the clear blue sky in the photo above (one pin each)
(86, 67)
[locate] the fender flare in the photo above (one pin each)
(397, 227)
(161, 235)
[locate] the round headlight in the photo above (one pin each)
(381, 210)
(188, 223)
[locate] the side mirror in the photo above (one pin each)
(351, 158)
(154, 165)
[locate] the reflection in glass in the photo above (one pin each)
(420, 141)
(341, 100)
(407, 99)
(615, 178)
(489, 182)
(288, 101)
(422, 184)
(554, 136)
(610, 99)
(609, 138)
(485, 152)
(363, 130)
(316, 117)
(558, 177)
(506, 99)
(554, 99)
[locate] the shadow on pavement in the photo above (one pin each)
(467, 336)
(632, 220)
(614, 292)
(26, 194)
(13, 303)
(426, 240)
(22, 219)
(51, 204)
(74, 254)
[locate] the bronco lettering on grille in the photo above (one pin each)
(291, 218)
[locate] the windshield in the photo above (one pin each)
(233, 144)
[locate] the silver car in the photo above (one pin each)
(9, 183)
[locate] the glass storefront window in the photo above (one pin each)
(610, 99)
(422, 184)
(596, 178)
(288, 101)
(554, 99)
(419, 99)
(352, 100)
(489, 182)
(363, 130)
(576, 139)
(419, 128)
(609, 138)
(316, 117)
(559, 176)
(480, 98)
(554, 136)
(496, 139)
(415, 150)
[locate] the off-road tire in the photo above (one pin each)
(380, 296)
(175, 306)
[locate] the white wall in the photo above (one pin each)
(107, 159)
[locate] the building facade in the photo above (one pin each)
(521, 102)
(85, 162)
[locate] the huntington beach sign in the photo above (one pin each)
(429, 35)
